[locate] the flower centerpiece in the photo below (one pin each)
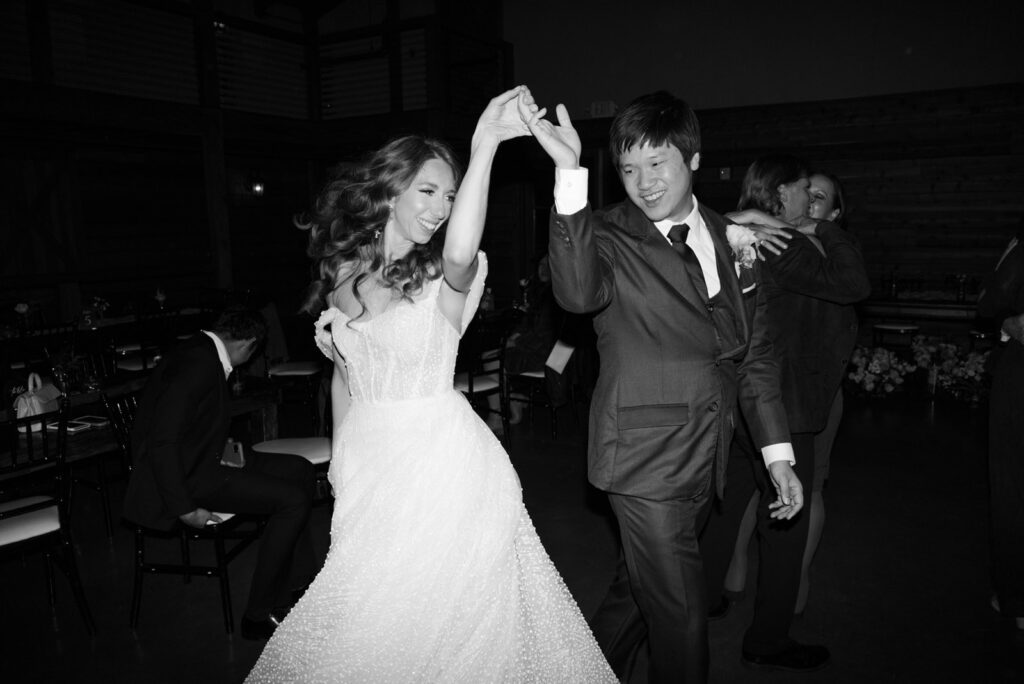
(877, 372)
(99, 306)
(966, 379)
(951, 369)
(94, 311)
(160, 298)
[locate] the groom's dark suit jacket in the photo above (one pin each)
(181, 426)
(662, 413)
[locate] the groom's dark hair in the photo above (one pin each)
(654, 120)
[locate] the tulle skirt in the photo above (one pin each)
(435, 572)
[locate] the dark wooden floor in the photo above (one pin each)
(900, 587)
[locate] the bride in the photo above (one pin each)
(435, 573)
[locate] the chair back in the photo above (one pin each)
(158, 329)
(121, 409)
(99, 361)
(481, 350)
(480, 364)
(30, 446)
(38, 349)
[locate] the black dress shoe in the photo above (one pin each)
(719, 611)
(259, 629)
(795, 658)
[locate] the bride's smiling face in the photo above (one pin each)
(419, 211)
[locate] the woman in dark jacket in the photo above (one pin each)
(1002, 300)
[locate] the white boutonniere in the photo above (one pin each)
(742, 241)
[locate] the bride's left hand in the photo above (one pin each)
(501, 121)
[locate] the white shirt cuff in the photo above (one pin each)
(570, 190)
(783, 451)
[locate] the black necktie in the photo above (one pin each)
(677, 235)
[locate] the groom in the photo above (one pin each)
(681, 343)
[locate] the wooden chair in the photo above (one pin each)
(38, 348)
(480, 367)
(98, 481)
(99, 360)
(229, 538)
(143, 345)
(34, 486)
(295, 378)
(532, 387)
(121, 410)
(316, 450)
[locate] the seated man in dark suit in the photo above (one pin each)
(180, 432)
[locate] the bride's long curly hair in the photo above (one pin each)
(346, 223)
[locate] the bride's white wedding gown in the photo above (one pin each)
(435, 573)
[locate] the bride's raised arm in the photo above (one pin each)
(500, 121)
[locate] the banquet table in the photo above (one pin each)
(257, 402)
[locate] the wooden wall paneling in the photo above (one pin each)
(37, 239)
(215, 175)
(269, 252)
(143, 223)
(40, 46)
(931, 178)
(508, 239)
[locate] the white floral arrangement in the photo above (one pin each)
(743, 242)
(21, 308)
(878, 371)
(99, 305)
(956, 371)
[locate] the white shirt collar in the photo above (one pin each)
(697, 229)
(699, 240)
(222, 352)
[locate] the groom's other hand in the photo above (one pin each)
(789, 490)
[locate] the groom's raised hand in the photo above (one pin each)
(561, 142)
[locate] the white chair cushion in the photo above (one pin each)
(224, 517)
(28, 525)
(294, 368)
(481, 383)
(316, 450)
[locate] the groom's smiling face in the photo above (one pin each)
(658, 180)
